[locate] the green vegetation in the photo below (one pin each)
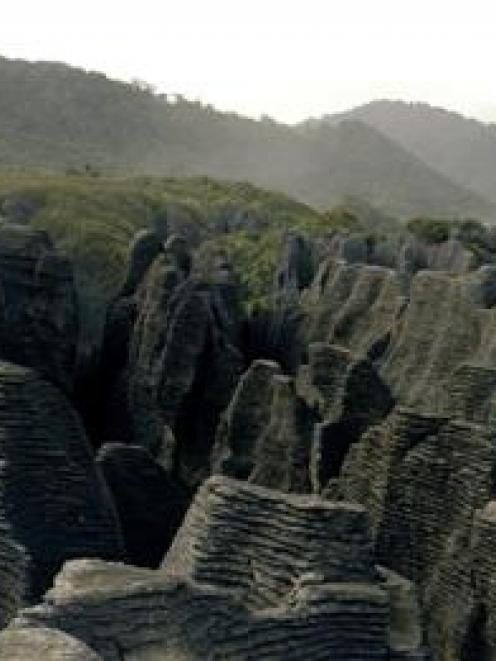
(94, 219)
(430, 230)
(71, 121)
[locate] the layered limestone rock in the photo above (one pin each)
(450, 256)
(253, 573)
(52, 498)
(13, 572)
(354, 306)
(265, 434)
(348, 396)
(43, 644)
(449, 321)
(296, 267)
(471, 393)
(38, 306)
(421, 478)
(150, 504)
(179, 361)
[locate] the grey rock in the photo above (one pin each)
(37, 644)
(38, 306)
(354, 306)
(52, 497)
(150, 504)
(265, 434)
(449, 321)
(253, 573)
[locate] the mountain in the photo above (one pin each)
(59, 118)
(461, 148)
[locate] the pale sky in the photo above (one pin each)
(290, 59)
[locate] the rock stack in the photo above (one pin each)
(253, 573)
(53, 500)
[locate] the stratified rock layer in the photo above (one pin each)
(348, 395)
(52, 497)
(449, 321)
(150, 504)
(177, 362)
(422, 477)
(38, 307)
(253, 573)
(354, 306)
(43, 644)
(265, 434)
(13, 573)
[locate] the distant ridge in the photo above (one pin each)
(462, 148)
(60, 118)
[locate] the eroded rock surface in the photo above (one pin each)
(179, 360)
(449, 321)
(354, 306)
(149, 502)
(44, 644)
(253, 573)
(38, 306)
(52, 497)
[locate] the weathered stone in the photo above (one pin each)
(183, 361)
(145, 247)
(296, 267)
(449, 321)
(353, 305)
(242, 424)
(38, 307)
(37, 644)
(349, 397)
(265, 434)
(150, 504)
(13, 574)
(52, 497)
(252, 574)
(421, 478)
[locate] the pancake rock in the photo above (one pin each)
(449, 321)
(179, 361)
(38, 306)
(253, 573)
(264, 436)
(43, 644)
(422, 477)
(13, 572)
(354, 306)
(52, 497)
(150, 504)
(348, 396)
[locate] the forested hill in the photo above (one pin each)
(59, 118)
(461, 148)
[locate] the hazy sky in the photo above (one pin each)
(288, 59)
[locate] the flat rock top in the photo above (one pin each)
(228, 488)
(36, 644)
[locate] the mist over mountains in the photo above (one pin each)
(406, 160)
